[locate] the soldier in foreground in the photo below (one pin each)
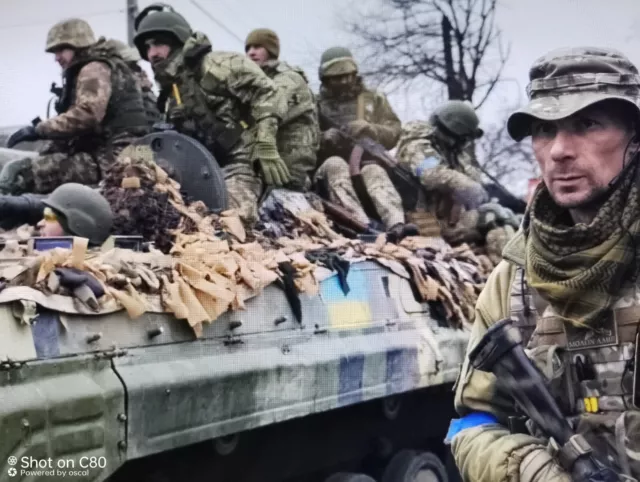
(569, 278)
(222, 99)
(132, 57)
(298, 133)
(346, 102)
(437, 153)
(101, 112)
(70, 210)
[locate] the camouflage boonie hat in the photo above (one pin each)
(567, 80)
(73, 32)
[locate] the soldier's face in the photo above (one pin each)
(64, 56)
(49, 225)
(340, 82)
(580, 155)
(258, 54)
(156, 51)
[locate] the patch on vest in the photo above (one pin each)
(603, 333)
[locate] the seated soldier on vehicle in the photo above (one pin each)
(71, 210)
(298, 134)
(344, 101)
(100, 112)
(437, 153)
(222, 99)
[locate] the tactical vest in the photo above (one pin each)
(360, 106)
(125, 111)
(223, 137)
(590, 373)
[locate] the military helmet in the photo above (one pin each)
(337, 61)
(156, 20)
(73, 32)
(459, 118)
(84, 211)
(129, 54)
(565, 81)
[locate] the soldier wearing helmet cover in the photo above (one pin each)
(347, 102)
(568, 280)
(298, 135)
(223, 99)
(437, 152)
(100, 112)
(132, 57)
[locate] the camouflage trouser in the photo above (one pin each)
(496, 240)
(461, 187)
(244, 188)
(334, 172)
(44, 173)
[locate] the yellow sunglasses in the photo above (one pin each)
(49, 215)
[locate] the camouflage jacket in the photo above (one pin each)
(362, 104)
(298, 135)
(228, 102)
(100, 102)
(489, 451)
(441, 169)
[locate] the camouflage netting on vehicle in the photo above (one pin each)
(208, 264)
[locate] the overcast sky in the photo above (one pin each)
(306, 28)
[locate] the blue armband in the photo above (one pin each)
(428, 163)
(474, 419)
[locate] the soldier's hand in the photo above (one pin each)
(176, 114)
(331, 136)
(273, 168)
(361, 128)
(27, 133)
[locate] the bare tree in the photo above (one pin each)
(512, 163)
(418, 42)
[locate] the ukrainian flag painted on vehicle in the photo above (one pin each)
(349, 311)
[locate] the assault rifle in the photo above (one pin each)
(500, 352)
(371, 150)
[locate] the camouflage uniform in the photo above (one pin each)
(132, 57)
(589, 376)
(101, 112)
(356, 103)
(298, 140)
(228, 104)
(451, 177)
(298, 135)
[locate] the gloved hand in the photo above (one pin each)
(82, 284)
(540, 466)
(493, 215)
(361, 128)
(176, 114)
(331, 136)
(17, 210)
(274, 169)
(27, 133)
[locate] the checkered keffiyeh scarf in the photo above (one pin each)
(580, 269)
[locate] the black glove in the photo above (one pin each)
(72, 278)
(27, 133)
(17, 210)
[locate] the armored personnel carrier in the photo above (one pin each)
(358, 388)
